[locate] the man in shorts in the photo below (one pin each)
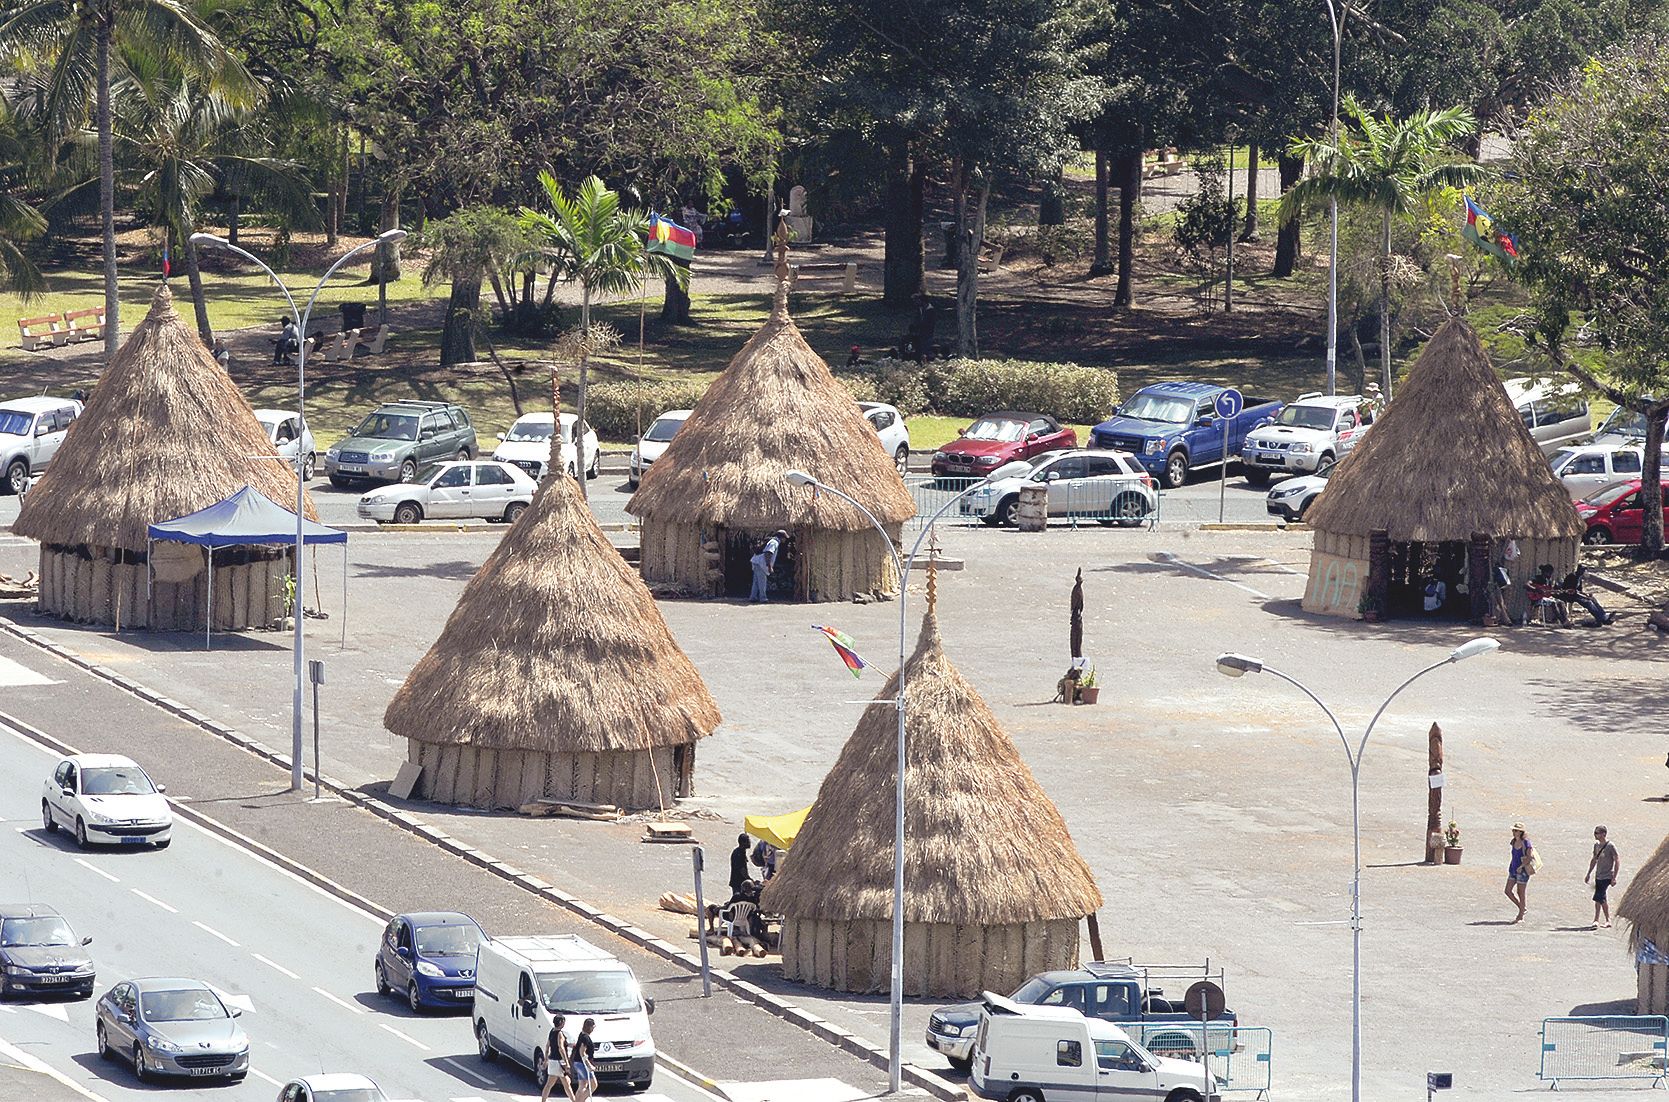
(1603, 869)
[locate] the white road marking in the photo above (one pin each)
(410, 1040)
(467, 1098)
(17, 675)
(462, 1070)
(51, 1010)
(275, 966)
(24, 1060)
(1166, 556)
(801, 1090)
(86, 865)
(153, 899)
(214, 932)
(259, 1074)
(1283, 567)
(242, 1002)
(344, 1004)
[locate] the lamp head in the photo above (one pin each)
(1238, 665)
(207, 239)
(1474, 647)
(392, 237)
(800, 478)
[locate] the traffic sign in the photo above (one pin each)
(1230, 403)
(1204, 1000)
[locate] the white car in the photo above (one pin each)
(106, 798)
(1292, 498)
(527, 444)
(481, 488)
(281, 430)
(337, 1087)
(1584, 468)
(1621, 426)
(1108, 486)
(889, 426)
(30, 431)
(1309, 434)
(652, 444)
(1555, 413)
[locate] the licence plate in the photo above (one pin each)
(133, 840)
(207, 1071)
(56, 979)
(1272, 460)
(351, 468)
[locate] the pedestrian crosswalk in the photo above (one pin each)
(794, 1090)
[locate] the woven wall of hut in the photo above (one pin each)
(1651, 987)
(1339, 572)
(831, 565)
(940, 961)
(678, 555)
(633, 780)
(90, 586)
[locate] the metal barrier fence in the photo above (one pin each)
(1076, 503)
(1615, 1047)
(1240, 1055)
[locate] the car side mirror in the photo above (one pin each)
(527, 1007)
(161, 788)
(236, 1013)
(1031, 438)
(648, 1006)
(86, 941)
(500, 437)
(962, 432)
(69, 791)
(42, 430)
(1204, 419)
(403, 953)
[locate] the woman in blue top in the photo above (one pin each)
(1518, 868)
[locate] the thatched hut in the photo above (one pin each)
(1645, 907)
(720, 488)
(165, 433)
(1445, 477)
(554, 676)
(994, 888)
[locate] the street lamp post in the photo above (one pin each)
(903, 566)
(1335, 17)
(1238, 665)
(301, 318)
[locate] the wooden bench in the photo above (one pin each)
(374, 345)
(1162, 162)
(990, 255)
(46, 331)
(848, 272)
(81, 328)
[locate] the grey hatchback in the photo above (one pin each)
(397, 440)
(172, 1027)
(40, 953)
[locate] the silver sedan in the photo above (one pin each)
(172, 1027)
(446, 491)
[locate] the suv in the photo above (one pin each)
(1306, 437)
(30, 431)
(394, 442)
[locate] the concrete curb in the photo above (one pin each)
(446, 529)
(1253, 526)
(774, 1005)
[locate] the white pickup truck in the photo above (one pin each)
(30, 431)
(1307, 436)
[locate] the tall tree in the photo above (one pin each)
(1587, 203)
(72, 41)
(465, 249)
(19, 220)
(1385, 165)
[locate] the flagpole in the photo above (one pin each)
(643, 303)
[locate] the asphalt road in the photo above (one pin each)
(294, 958)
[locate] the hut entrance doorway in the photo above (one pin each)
(739, 550)
(1412, 566)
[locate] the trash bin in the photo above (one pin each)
(1033, 515)
(353, 316)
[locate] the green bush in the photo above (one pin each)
(899, 383)
(1076, 394)
(619, 411)
(861, 387)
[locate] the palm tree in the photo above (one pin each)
(1388, 166)
(19, 221)
(73, 40)
(591, 239)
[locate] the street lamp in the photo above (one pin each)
(389, 237)
(1238, 665)
(1335, 18)
(903, 566)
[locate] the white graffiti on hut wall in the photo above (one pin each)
(1335, 585)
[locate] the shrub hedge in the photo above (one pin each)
(619, 411)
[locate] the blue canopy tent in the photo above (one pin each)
(247, 517)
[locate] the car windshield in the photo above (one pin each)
(447, 941)
(350, 1094)
(183, 1005)
(426, 475)
(612, 992)
(41, 930)
(529, 431)
(1307, 417)
(1020, 468)
(1561, 458)
(388, 426)
(987, 428)
(1606, 496)
(116, 780)
(1155, 407)
(664, 429)
(1622, 422)
(16, 422)
(1030, 991)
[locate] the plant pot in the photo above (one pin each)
(1090, 695)
(1372, 615)
(1451, 855)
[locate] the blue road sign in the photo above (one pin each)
(1230, 403)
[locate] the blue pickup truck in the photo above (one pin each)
(1172, 428)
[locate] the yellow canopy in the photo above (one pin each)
(779, 830)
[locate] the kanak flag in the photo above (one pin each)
(670, 239)
(844, 646)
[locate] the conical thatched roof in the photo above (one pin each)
(776, 408)
(984, 845)
(555, 645)
(1645, 905)
(1448, 458)
(166, 433)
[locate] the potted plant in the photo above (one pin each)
(1451, 844)
(1370, 608)
(1088, 691)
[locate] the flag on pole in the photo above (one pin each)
(167, 269)
(844, 646)
(1482, 232)
(670, 239)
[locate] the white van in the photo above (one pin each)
(1555, 413)
(520, 982)
(1029, 1053)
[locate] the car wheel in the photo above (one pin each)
(139, 1071)
(1176, 470)
(541, 1067)
(1008, 513)
(596, 466)
(484, 1043)
(963, 1066)
(80, 833)
(47, 820)
(640, 1086)
(309, 466)
(339, 482)
(1186, 1095)
(573, 472)
(1026, 1095)
(1596, 536)
(407, 512)
(514, 510)
(408, 470)
(104, 1044)
(1257, 476)
(1325, 463)
(902, 458)
(17, 476)
(1130, 510)
(463, 455)
(382, 980)
(415, 1000)
(164, 844)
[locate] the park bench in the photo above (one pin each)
(374, 345)
(1162, 162)
(847, 270)
(991, 255)
(85, 325)
(46, 331)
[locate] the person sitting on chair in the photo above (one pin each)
(1542, 595)
(1571, 590)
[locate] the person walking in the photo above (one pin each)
(1519, 868)
(1604, 869)
(739, 864)
(556, 1060)
(579, 1062)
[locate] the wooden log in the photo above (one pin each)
(570, 809)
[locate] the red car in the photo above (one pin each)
(999, 438)
(1613, 515)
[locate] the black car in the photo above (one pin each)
(40, 953)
